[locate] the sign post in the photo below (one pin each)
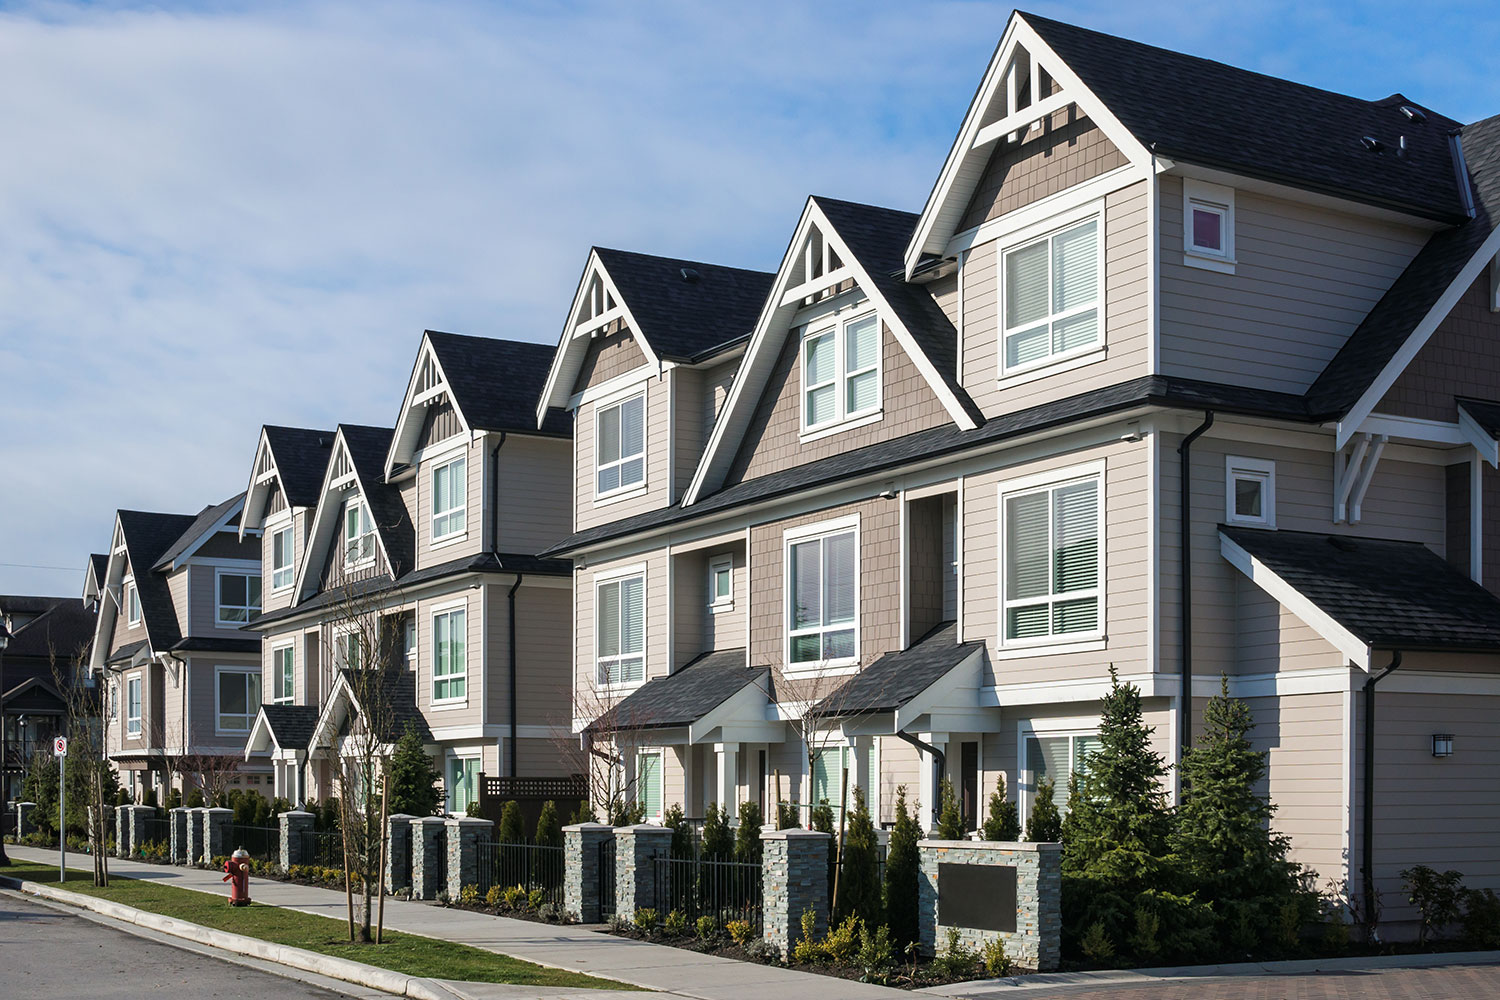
(60, 751)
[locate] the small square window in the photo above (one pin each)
(721, 583)
(1250, 491)
(1208, 225)
(1208, 228)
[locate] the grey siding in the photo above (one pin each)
(536, 484)
(614, 353)
(589, 512)
(471, 540)
(1461, 359)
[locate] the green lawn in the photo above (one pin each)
(408, 954)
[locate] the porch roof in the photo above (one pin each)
(898, 677)
(684, 697)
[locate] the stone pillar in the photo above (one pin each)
(581, 888)
(178, 828)
(794, 878)
(293, 825)
(636, 847)
(726, 756)
(216, 833)
(195, 835)
(397, 852)
(24, 818)
(464, 834)
(1036, 941)
(122, 834)
(135, 824)
(429, 859)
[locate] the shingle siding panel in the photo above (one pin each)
(1461, 359)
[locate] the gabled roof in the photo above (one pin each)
(399, 691)
(148, 535)
(301, 456)
(98, 566)
(367, 448)
(127, 652)
(898, 677)
(496, 383)
(63, 625)
(207, 521)
(686, 696)
(286, 727)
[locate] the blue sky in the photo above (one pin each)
(215, 216)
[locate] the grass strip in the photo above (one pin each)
(408, 954)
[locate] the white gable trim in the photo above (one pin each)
(208, 533)
(766, 345)
(574, 343)
(109, 610)
(1487, 447)
(404, 440)
(325, 520)
(256, 489)
(971, 149)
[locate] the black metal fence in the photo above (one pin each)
(530, 866)
(263, 843)
(324, 848)
(723, 890)
(606, 878)
(157, 830)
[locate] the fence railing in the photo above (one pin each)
(324, 848)
(723, 890)
(530, 866)
(263, 843)
(157, 832)
(606, 878)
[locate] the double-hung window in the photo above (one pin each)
(841, 372)
(449, 492)
(1055, 757)
(359, 535)
(283, 674)
(450, 663)
(463, 783)
(132, 604)
(346, 650)
(620, 444)
(239, 597)
(282, 571)
(239, 699)
(649, 779)
(1052, 561)
(621, 617)
(822, 598)
(1051, 298)
(133, 705)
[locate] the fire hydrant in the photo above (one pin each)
(237, 874)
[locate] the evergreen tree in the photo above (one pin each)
(1044, 824)
(787, 817)
(194, 798)
(822, 821)
(1070, 820)
(1003, 823)
(859, 882)
(413, 787)
(747, 837)
(548, 829)
(682, 833)
(512, 825)
(902, 870)
(585, 813)
(718, 841)
(950, 825)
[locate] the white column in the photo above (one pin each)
(858, 768)
(928, 780)
(727, 787)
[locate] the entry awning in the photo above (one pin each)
(933, 684)
(1364, 594)
(282, 727)
(715, 697)
(1479, 420)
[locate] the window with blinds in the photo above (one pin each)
(1051, 298)
(620, 446)
(1052, 562)
(449, 660)
(359, 535)
(449, 499)
(648, 783)
(621, 635)
(1055, 758)
(822, 595)
(828, 777)
(841, 372)
(283, 673)
(282, 571)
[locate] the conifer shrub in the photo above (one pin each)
(902, 870)
(859, 881)
(1003, 822)
(1044, 825)
(950, 824)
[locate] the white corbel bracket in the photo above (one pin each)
(1352, 474)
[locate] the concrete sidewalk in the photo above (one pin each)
(575, 948)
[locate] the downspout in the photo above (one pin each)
(1185, 583)
(511, 597)
(1367, 848)
(509, 765)
(938, 757)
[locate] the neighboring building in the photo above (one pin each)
(943, 494)
(430, 531)
(181, 680)
(40, 669)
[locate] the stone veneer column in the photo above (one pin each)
(216, 833)
(1037, 940)
(794, 878)
(294, 823)
(464, 834)
(635, 875)
(397, 857)
(429, 861)
(195, 835)
(122, 834)
(135, 825)
(581, 892)
(178, 831)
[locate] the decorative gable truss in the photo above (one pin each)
(1025, 83)
(427, 393)
(341, 484)
(264, 496)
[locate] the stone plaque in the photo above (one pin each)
(982, 897)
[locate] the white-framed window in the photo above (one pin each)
(827, 769)
(449, 499)
(650, 778)
(348, 650)
(1250, 491)
(359, 535)
(1052, 560)
(1054, 756)
(132, 604)
(620, 630)
(283, 674)
(450, 663)
(112, 695)
(238, 596)
(822, 588)
(133, 705)
(841, 372)
(721, 583)
(620, 445)
(409, 642)
(463, 782)
(283, 571)
(1050, 297)
(1208, 225)
(237, 698)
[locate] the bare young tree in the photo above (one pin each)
(603, 752)
(211, 771)
(83, 724)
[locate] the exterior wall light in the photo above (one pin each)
(1442, 744)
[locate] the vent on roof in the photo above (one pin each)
(690, 275)
(1372, 144)
(1415, 114)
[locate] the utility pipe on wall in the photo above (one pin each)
(1367, 819)
(1185, 583)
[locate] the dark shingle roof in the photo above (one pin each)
(127, 652)
(896, 678)
(686, 696)
(214, 644)
(63, 625)
(206, 519)
(1389, 594)
(878, 237)
(1417, 289)
(367, 449)
(1484, 413)
(496, 383)
(1205, 112)
(687, 320)
(147, 536)
(1147, 390)
(98, 565)
(301, 455)
(291, 725)
(400, 692)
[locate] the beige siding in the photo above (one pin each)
(900, 767)
(471, 711)
(613, 354)
(1268, 637)
(688, 414)
(471, 540)
(587, 511)
(195, 589)
(590, 698)
(536, 483)
(539, 758)
(1303, 280)
(696, 627)
(1461, 359)
(543, 683)
(1126, 330)
(124, 633)
(275, 600)
(945, 292)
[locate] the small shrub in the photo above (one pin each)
(950, 825)
(676, 924)
(1436, 897)
(1144, 940)
(620, 924)
(550, 912)
(535, 898)
(808, 950)
(1481, 919)
(469, 895)
(1003, 822)
(1096, 945)
(442, 897)
(513, 897)
(874, 950)
(739, 931)
(495, 896)
(957, 960)
(1045, 824)
(646, 920)
(707, 929)
(996, 962)
(1335, 936)
(760, 950)
(842, 942)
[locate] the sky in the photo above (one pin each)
(218, 215)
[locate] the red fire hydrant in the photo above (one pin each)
(237, 874)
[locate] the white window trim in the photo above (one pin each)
(838, 326)
(1053, 363)
(790, 536)
(615, 576)
(219, 606)
(289, 646)
(1217, 198)
(359, 502)
(452, 537)
(661, 777)
(340, 636)
(1261, 470)
(129, 588)
(462, 753)
(219, 672)
(432, 617)
(1072, 641)
(716, 604)
(1028, 728)
(291, 567)
(631, 489)
(140, 706)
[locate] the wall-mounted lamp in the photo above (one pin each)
(1132, 432)
(889, 493)
(1442, 744)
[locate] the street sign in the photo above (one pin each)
(60, 746)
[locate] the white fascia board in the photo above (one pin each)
(1346, 642)
(261, 738)
(257, 486)
(321, 530)
(957, 689)
(333, 713)
(1421, 333)
(206, 534)
(1488, 447)
(404, 439)
(109, 605)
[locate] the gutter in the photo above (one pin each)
(1185, 584)
(937, 755)
(508, 766)
(1367, 794)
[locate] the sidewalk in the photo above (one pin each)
(577, 949)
